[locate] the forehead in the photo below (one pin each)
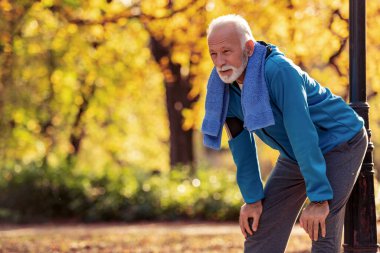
(223, 35)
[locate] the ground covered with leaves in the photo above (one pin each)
(169, 237)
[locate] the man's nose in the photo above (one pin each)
(219, 61)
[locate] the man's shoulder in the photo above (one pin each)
(278, 62)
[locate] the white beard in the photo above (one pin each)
(236, 72)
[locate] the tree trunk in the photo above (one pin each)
(177, 89)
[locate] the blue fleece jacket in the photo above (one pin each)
(309, 122)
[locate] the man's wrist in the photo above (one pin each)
(320, 202)
(254, 203)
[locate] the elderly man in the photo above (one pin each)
(254, 88)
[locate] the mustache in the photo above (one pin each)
(225, 67)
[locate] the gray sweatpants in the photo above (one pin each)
(285, 195)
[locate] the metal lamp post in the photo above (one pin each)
(360, 233)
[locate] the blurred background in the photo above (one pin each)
(101, 102)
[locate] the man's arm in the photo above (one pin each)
(243, 150)
(291, 97)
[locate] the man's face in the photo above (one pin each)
(226, 52)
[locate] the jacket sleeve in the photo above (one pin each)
(290, 96)
(243, 149)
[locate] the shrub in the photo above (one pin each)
(40, 193)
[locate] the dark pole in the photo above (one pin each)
(360, 233)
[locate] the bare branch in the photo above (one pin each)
(76, 138)
(333, 58)
(343, 41)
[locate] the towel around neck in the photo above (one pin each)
(255, 102)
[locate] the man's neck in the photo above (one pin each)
(240, 85)
(240, 80)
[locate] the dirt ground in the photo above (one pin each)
(172, 237)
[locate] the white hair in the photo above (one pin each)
(240, 23)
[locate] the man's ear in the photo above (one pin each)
(249, 46)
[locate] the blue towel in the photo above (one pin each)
(256, 107)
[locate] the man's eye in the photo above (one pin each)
(212, 54)
(226, 51)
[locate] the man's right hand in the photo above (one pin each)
(254, 211)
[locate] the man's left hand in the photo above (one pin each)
(313, 216)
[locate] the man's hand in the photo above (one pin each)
(312, 216)
(254, 211)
